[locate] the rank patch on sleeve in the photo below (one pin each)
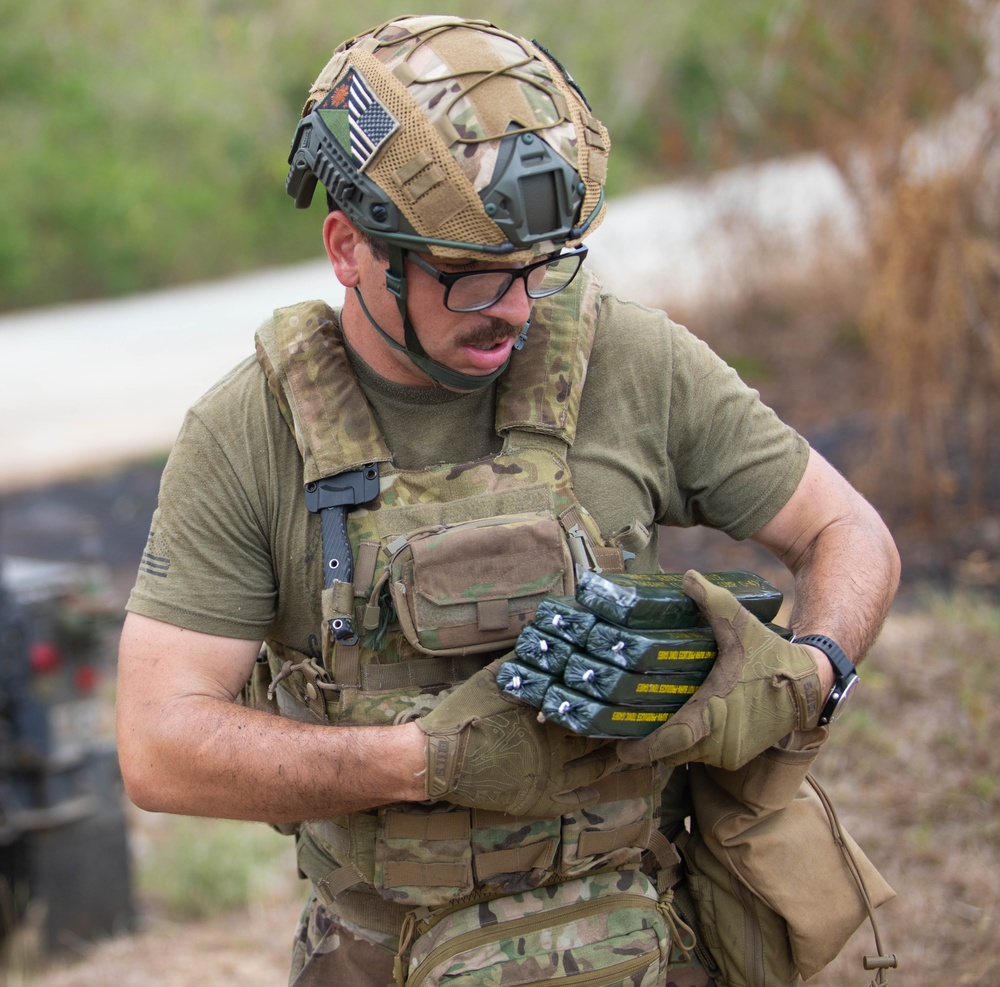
(360, 123)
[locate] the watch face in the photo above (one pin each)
(839, 700)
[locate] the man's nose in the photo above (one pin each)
(514, 306)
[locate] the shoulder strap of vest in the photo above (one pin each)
(541, 390)
(301, 351)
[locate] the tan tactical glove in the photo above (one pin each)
(487, 750)
(760, 689)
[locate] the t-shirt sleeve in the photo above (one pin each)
(735, 463)
(207, 565)
(686, 441)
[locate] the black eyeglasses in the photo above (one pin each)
(472, 291)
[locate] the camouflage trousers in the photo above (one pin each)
(328, 954)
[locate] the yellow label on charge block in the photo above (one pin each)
(684, 655)
(664, 687)
(638, 716)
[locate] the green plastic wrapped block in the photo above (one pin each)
(542, 650)
(657, 600)
(586, 715)
(523, 681)
(585, 674)
(564, 617)
(682, 651)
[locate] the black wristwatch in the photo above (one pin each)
(846, 675)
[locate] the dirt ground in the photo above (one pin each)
(250, 948)
(912, 771)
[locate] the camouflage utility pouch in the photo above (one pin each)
(601, 930)
(474, 586)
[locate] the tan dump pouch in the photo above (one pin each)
(767, 824)
(741, 941)
(472, 587)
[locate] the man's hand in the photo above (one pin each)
(760, 689)
(485, 749)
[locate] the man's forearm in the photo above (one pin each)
(211, 758)
(186, 746)
(845, 584)
(842, 556)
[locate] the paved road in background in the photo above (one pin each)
(83, 387)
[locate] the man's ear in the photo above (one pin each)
(342, 239)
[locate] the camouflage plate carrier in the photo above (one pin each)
(449, 565)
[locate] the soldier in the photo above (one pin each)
(361, 518)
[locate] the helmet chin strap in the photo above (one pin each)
(395, 279)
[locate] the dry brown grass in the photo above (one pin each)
(915, 771)
(931, 320)
(905, 103)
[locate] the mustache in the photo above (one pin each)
(491, 331)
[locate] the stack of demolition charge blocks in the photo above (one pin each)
(620, 657)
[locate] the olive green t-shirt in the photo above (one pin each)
(667, 435)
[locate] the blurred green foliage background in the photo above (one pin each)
(145, 144)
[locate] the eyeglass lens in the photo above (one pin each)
(479, 290)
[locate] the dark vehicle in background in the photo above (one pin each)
(64, 856)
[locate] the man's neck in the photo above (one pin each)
(366, 344)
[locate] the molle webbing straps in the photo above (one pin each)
(515, 860)
(617, 787)
(432, 837)
(420, 672)
(335, 887)
(442, 829)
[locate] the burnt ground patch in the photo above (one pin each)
(103, 518)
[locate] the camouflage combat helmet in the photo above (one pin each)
(452, 137)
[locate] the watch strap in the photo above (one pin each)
(845, 674)
(841, 663)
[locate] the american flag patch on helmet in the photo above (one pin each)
(356, 118)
